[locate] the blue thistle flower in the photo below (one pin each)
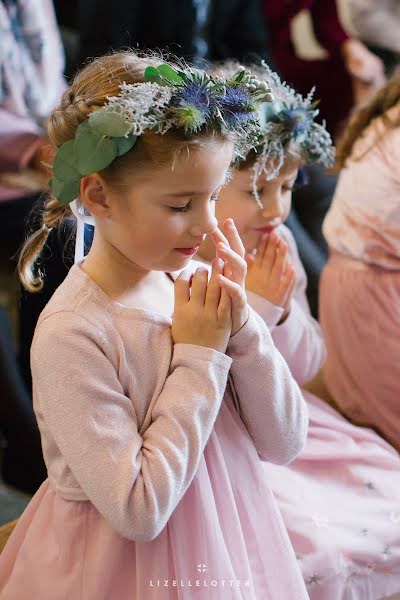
(195, 95)
(236, 107)
(297, 120)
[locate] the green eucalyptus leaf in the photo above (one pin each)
(124, 144)
(93, 152)
(65, 191)
(107, 121)
(64, 167)
(169, 73)
(151, 74)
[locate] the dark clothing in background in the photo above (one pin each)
(234, 28)
(329, 76)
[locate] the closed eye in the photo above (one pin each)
(187, 206)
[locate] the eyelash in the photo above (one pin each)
(181, 209)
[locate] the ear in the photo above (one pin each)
(94, 196)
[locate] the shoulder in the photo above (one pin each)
(74, 310)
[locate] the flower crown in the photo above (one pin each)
(288, 127)
(187, 99)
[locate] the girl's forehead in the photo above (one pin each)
(288, 170)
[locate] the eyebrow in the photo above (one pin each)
(227, 179)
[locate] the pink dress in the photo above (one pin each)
(155, 488)
(340, 497)
(360, 285)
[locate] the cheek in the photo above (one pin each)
(287, 207)
(232, 209)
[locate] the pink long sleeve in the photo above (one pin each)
(299, 338)
(271, 404)
(94, 445)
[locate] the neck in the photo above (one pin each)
(113, 272)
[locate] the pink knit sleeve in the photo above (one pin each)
(135, 481)
(299, 337)
(271, 403)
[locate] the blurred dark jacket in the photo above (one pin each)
(234, 28)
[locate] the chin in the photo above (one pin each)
(172, 265)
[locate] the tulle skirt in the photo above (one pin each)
(225, 540)
(340, 500)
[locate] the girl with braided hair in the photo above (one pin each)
(155, 488)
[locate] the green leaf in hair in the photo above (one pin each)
(93, 152)
(65, 167)
(65, 191)
(107, 121)
(124, 144)
(169, 74)
(151, 74)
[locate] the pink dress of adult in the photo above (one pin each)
(340, 497)
(360, 285)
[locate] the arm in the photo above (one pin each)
(271, 404)
(135, 480)
(299, 337)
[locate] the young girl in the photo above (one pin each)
(155, 488)
(360, 286)
(340, 497)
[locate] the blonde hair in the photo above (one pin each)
(380, 104)
(90, 89)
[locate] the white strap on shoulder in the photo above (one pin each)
(82, 218)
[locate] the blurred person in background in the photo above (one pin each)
(31, 82)
(197, 30)
(348, 71)
(377, 24)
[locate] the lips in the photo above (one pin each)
(188, 251)
(267, 228)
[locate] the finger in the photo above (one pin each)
(213, 293)
(182, 287)
(250, 260)
(199, 286)
(233, 237)
(234, 290)
(270, 250)
(262, 244)
(237, 264)
(217, 236)
(227, 271)
(225, 305)
(280, 262)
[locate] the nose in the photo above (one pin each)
(204, 221)
(272, 208)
